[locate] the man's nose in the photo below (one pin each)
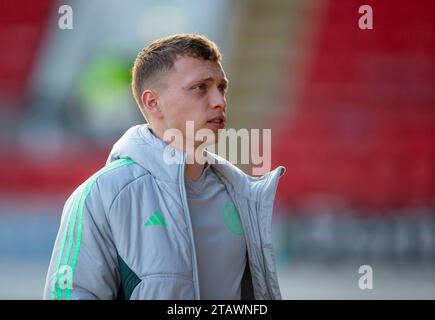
(218, 100)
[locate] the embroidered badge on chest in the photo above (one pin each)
(231, 219)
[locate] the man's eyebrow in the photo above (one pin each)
(224, 80)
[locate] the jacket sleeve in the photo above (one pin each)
(83, 264)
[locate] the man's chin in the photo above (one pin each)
(210, 140)
(208, 135)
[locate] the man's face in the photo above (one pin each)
(194, 90)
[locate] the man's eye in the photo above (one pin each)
(223, 88)
(200, 87)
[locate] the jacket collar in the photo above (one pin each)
(142, 146)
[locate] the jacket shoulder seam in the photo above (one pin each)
(123, 189)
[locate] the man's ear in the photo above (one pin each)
(150, 103)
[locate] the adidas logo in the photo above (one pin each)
(156, 219)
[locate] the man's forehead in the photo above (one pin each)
(192, 69)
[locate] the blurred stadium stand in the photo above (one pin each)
(360, 148)
(21, 33)
(365, 124)
(352, 114)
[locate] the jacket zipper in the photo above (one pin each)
(246, 234)
(189, 225)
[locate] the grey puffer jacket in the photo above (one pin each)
(104, 251)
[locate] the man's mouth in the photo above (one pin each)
(217, 122)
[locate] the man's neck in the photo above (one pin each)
(195, 163)
(193, 169)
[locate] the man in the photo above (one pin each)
(192, 228)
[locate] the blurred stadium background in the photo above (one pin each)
(352, 114)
